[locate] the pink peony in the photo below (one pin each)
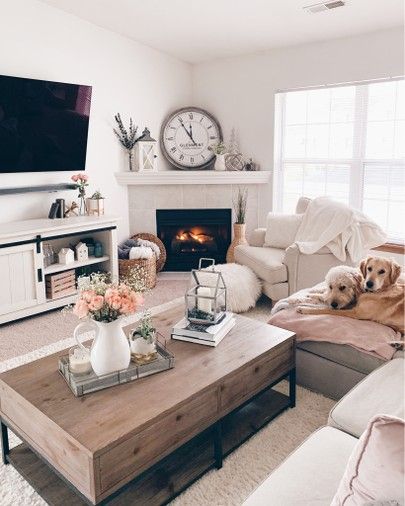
(75, 178)
(96, 303)
(81, 308)
(113, 298)
(87, 295)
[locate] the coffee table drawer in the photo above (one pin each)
(253, 378)
(139, 452)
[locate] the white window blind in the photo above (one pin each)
(347, 142)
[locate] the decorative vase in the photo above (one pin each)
(239, 238)
(110, 349)
(130, 160)
(83, 203)
(220, 162)
(143, 350)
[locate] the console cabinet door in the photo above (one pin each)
(21, 285)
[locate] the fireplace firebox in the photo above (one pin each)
(191, 234)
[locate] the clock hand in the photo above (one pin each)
(191, 134)
(187, 132)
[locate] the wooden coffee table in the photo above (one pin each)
(146, 441)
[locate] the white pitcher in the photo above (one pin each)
(110, 350)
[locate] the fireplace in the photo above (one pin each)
(191, 234)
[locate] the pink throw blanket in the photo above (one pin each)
(366, 336)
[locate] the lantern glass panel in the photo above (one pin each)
(206, 297)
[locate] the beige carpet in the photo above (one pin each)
(243, 470)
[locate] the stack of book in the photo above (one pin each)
(209, 335)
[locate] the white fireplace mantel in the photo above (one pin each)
(184, 177)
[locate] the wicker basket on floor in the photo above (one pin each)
(160, 262)
(148, 266)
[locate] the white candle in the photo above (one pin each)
(204, 304)
(79, 361)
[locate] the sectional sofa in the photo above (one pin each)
(311, 474)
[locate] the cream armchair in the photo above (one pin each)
(285, 271)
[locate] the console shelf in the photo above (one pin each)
(74, 265)
(22, 269)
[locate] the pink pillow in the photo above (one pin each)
(375, 471)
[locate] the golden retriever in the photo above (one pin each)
(343, 286)
(384, 300)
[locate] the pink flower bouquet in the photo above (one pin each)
(104, 301)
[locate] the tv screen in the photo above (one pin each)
(43, 125)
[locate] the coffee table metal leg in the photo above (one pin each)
(218, 444)
(5, 447)
(293, 387)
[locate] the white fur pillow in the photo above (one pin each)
(281, 229)
(243, 286)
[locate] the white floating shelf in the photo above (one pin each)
(182, 177)
(51, 269)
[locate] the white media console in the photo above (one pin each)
(22, 270)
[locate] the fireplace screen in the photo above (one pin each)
(189, 234)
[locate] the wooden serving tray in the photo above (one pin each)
(82, 384)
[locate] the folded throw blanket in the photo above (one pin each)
(341, 229)
(140, 252)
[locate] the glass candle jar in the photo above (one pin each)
(79, 360)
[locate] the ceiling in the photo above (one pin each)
(200, 30)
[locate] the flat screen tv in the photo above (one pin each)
(43, 125)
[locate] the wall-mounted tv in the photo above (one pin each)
(43, 125)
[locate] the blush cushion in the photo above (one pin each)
(375, 470)
(281, 229)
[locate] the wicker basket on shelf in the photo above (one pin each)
(148, 266)
(160, 262)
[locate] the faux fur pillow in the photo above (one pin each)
(281, 229)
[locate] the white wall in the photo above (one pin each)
(41, 42)
(240, 91)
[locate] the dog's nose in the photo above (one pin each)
(370, 284)
(334, 304)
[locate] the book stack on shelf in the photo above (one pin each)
(208, 335)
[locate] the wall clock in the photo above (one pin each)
(186, 135)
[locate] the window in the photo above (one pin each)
(347, 142)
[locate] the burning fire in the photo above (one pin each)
(192, 235)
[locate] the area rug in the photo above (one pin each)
(243, 470)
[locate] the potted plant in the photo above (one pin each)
(143, 340)
(127, 138)
(103, 305)
(239, 227)
(219, 150)
(95, 204)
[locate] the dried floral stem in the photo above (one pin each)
(240, 204)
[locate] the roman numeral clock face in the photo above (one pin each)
(186, 136)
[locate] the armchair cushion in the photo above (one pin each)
(266, 263)
(281, 229)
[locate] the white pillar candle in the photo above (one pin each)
(204, 304)
(79, 361)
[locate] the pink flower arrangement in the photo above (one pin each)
(103, 301)
(79, 178)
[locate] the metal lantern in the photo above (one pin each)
(145, 153)
(206, 297)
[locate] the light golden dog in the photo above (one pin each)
(343, 286)
(384, 300)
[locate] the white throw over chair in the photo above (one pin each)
(284, 271)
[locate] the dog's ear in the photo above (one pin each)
(358, 282)
(363, 266)
(395, 272)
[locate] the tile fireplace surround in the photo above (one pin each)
(193, 190)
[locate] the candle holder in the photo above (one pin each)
(79, 360)
(206, 297)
